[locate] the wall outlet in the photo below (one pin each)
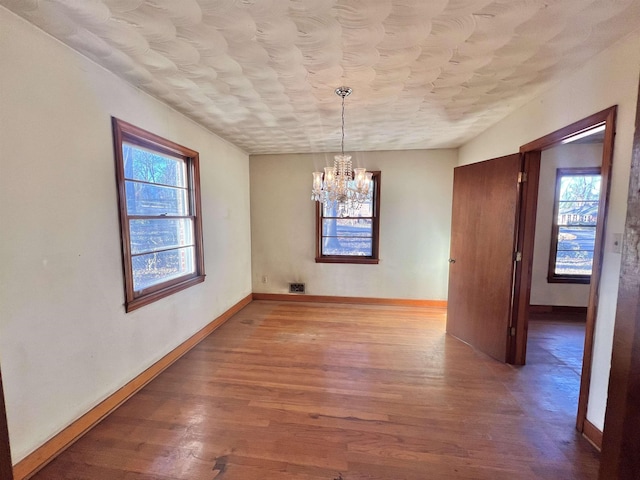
(296, 288)
(265, 279)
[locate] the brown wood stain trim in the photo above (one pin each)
(569, 310)
(517, 346)
(6, 471)
(401, 302)
(620, 459)
(47, 452)
(596, 271)
(564, 134)
(593, 434)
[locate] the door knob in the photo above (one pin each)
(452, 260)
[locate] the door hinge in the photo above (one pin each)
(522, 177)
(518, 256)
(512, 331)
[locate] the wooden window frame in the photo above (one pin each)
(372, 259)
(553, 277)
(124, 132)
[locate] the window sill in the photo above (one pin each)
(355, 260)
(148, 298)
(568, 279)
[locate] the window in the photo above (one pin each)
(574, 227)
(350, 237)
(159, 200)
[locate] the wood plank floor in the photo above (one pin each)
(558, 340)
(324, 392)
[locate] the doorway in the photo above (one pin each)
(566, 217)
(599, 127)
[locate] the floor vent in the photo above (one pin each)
(296, 288)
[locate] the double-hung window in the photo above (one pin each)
(575, 215)
(349, 236)
(160, 223)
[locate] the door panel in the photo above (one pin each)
(483, 234)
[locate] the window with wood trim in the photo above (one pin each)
(575, 216)
(159, 202)
(349, 236)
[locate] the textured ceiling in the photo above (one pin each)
(262, 73)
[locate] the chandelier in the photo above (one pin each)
(343, 187)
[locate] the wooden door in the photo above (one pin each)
(483, 235)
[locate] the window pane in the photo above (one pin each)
(154, 268)
(347, 227)
(145, 199)
(147, 166)
(159, 205)
(579, 187)
(365, 210)
(578, 213)
(332, 210)
(356, 246)
(347, 235)
(149, 235)
(574, 262)
(576, 238)
(577, 216)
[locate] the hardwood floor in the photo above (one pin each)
(326, 391)
(557, 340)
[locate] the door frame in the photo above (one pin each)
(619, 457)
(6, 468)
(531, 156)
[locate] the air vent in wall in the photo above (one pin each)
(296, 288)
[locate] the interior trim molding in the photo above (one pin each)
(400, 302)
(593, 434)
(36, 460)
(558, 309)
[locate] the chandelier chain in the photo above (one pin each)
(342, 140)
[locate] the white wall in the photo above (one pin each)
(563, 156)
(608, 79)
(65, 340)
(415, 224)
